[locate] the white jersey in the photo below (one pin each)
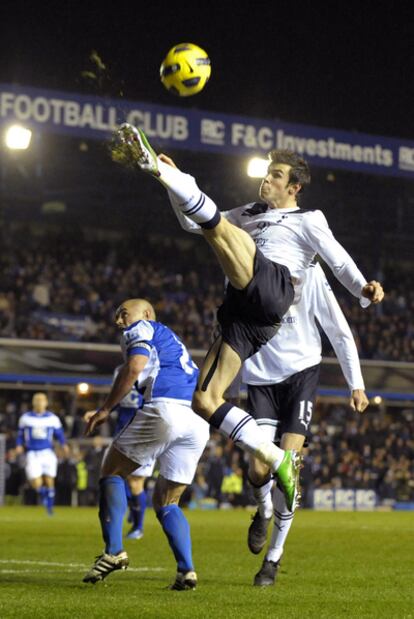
(297, 344)
(292, 237)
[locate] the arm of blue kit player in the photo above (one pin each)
(318, 234)
(59, 435)
(124, 382)
(333, 322)
(20, 440)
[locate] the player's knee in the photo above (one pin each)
(204, 404)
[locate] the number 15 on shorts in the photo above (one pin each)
(305, 412)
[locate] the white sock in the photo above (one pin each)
(282, 523)
(242, 428)
(263, 496)
(187, 197)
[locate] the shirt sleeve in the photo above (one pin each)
(138, 339)
(20, 436)
(59, 435)
(336, 327)
(317, 233)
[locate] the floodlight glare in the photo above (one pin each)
(18, 137)
(83, 388)
(257, 167)
(377, 399)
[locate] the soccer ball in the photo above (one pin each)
(185, 70)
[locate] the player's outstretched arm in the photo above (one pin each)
(333, 322)
(336, 327)
(318, 234)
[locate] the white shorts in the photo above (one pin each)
(42, 462)
(146, 470)
(169, 432)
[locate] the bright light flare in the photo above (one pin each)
(18, 137)
(83, 388)
(257, 167)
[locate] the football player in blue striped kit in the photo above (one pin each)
(166, 429)
(37, 430)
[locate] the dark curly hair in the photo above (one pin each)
(299, 172)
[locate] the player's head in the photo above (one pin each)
(39, 402)
(132, 310)
(287, 175)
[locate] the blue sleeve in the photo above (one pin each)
(59, 435)
(138, 350)
(20, 438)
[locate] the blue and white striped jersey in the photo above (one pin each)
(170, 373)
(37, 431)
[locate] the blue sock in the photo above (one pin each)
(112, 507)
(177, 530)
(138, 505)
(50, 500)
(42, 492)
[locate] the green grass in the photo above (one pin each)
(336, 565)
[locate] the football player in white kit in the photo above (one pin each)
(264, 250)
(166, 429)
(37, 430)
(282, 379)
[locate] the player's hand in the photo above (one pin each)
(359, 400)
(94, 419)
(66, 450)
(167, 160)
(373, 291)
(19, 450)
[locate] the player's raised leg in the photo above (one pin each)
(234, 248)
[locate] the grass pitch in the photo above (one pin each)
(336, 565)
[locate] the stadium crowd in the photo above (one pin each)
(64, 283)
(374, 452)
(67, 288)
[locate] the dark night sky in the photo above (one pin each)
(350, 67)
